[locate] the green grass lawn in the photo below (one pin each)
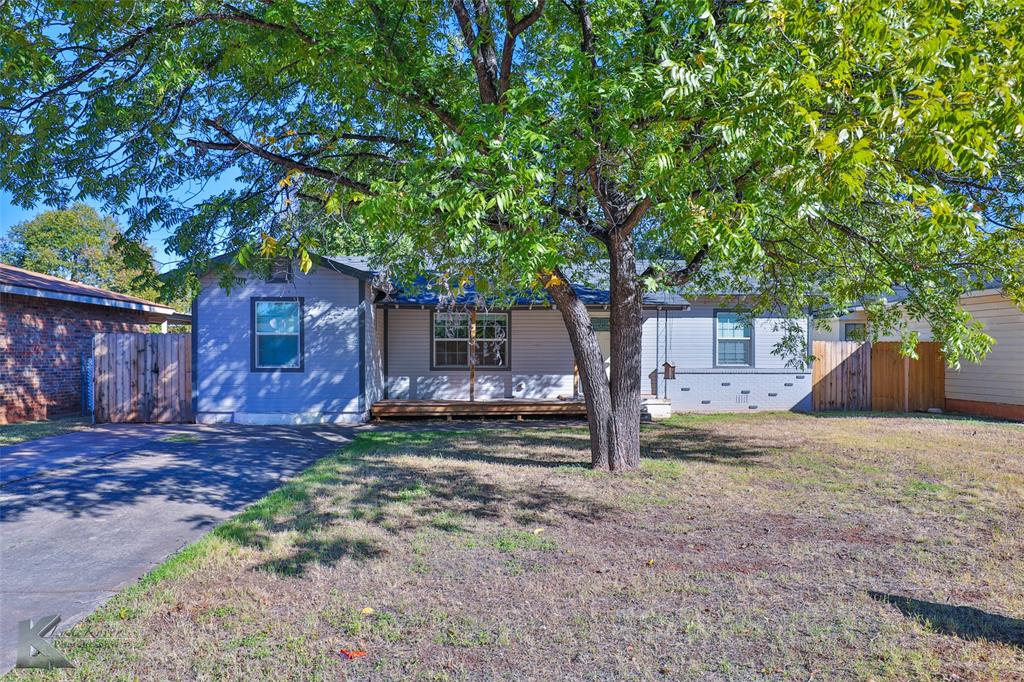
(748, 547)
(12, 434)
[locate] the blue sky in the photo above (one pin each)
(11, 215)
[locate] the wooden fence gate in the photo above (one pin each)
(142, 377)
(900, 384)
(849, 375)
(841, 376)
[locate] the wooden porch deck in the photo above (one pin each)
(384, 409)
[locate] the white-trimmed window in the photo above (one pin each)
(452, 346)
(277, 334)
(492, 340)
(451, 340)
(855, 331)
(734, 340)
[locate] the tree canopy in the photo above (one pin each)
(79, 244)
(800, 151)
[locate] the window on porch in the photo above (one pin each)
(455, 337)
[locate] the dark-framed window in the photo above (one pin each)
(855, 331)
(278, 334)
(734, 339)
(451, 344)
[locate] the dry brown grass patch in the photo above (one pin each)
(766, 546)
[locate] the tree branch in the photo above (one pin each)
(634, 217)
(428, 104)
(602, 199)
(513, 31)
(474, 43)
(417, 98)
(233, 15)
(680, 277)
(277, 159)
(587, 32)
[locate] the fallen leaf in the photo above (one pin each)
(368, 611)
(350, 654)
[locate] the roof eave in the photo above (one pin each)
(345, 268)
(88, 300)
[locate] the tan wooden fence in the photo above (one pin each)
(860, 376)
(900, 384)
(841, 376)
(142, 377)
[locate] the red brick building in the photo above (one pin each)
(46, 324)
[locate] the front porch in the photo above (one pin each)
(507, 408)
(653, 408)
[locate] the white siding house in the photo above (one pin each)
(329, 385)
(540, 360)
(687, 340)
(326, 345)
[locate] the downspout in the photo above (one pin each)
(195, 357)
(386, 379)
(810, 338)
(810, 355)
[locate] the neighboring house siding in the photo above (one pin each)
(994, 387)
(41, 347)
(837, 325)
(328, 388)
(699, 385)
(999, 378)
(541, 360)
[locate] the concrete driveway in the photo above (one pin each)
(84, 514)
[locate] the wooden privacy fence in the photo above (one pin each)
(841, 376)
(904, 385)
(142, 377)
(860, 376)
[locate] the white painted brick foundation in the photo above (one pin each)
(721, 390)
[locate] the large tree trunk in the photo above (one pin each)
(590, 365)
(626, 330)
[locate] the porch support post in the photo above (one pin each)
(384, 358)
(472, 355)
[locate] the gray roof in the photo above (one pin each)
(21, 282)
(360, 264)
(901, 293)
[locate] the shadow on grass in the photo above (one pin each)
(456, 489)
(311, 551)
(373, 482)
(676, 440)
(694, 444)
(965, 622)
